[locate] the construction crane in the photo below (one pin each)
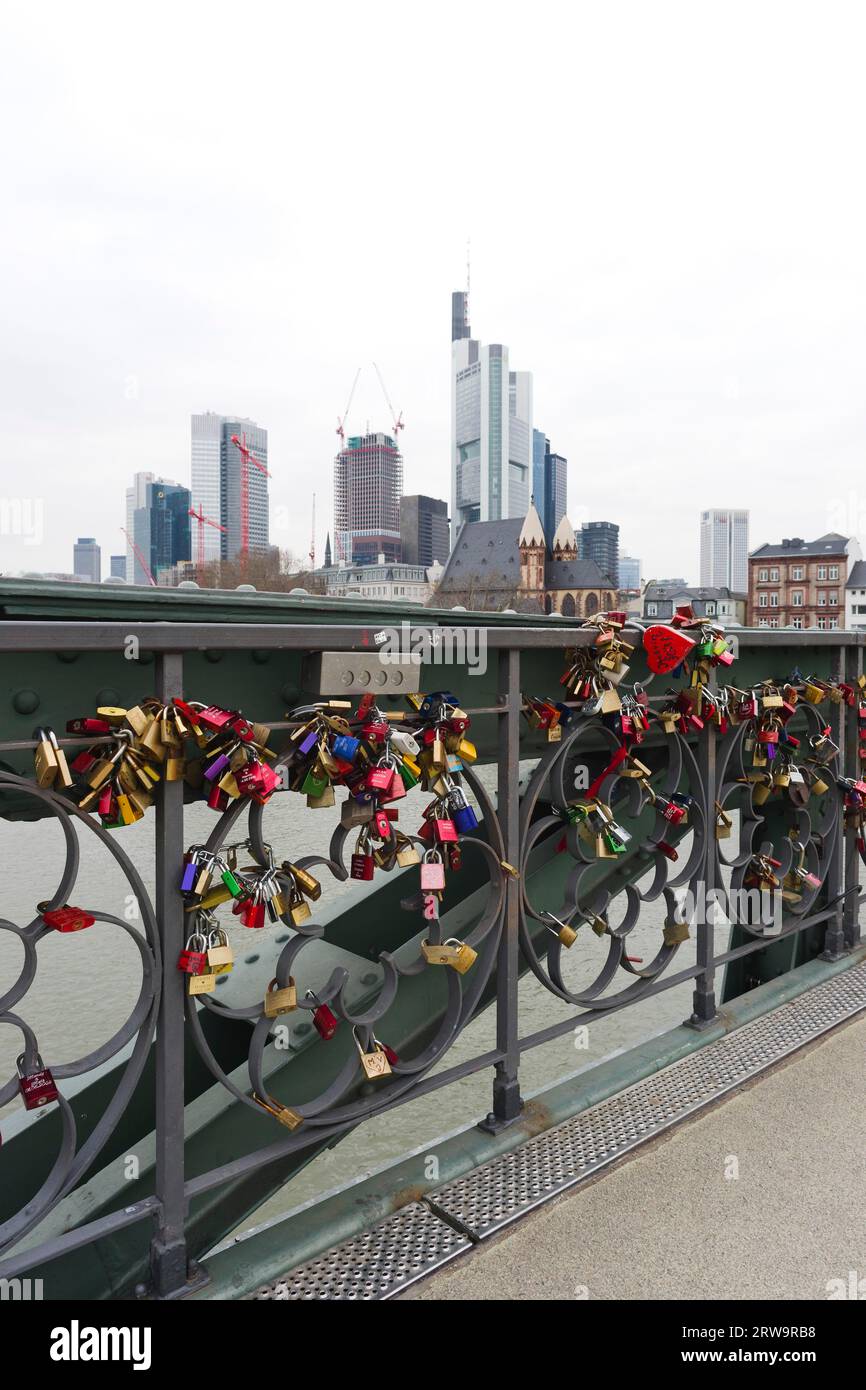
(313, 537)
(341, 419)
(397, 419)
(247, 457)
(139, 557)
(202, 522)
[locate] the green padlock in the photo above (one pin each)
(314, 786)
(231, 883)
(407, 776)
(614, 845)
(705, 649)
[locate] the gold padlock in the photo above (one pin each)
(375, 1063)
(112, 713)
(45, 758)
(286, 1116)
(175, 768)
(407, 854)
(309, 886)
(675, 933)
(220, 956)
(280, 1001)
(299, 909)
(138, 720)
(457, 954)
(819, 786)
(762, 790)
(723, 823)
(202, 984)
(322, 802)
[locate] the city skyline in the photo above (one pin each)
(672, 352)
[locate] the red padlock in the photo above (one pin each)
(88, 726)
(362, 867)
(378, 779)
(82, 762)
(444, 830)
(382, 825)
(212, 717)
(193, 961)
(38, 1087)
(67, 918)
(324, 1021)
(217, 799)
(667, 850)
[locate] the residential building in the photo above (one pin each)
(509, 564)
(725, 549)
(491, 430)
(217, 474)
(161, 530)
(855, 598)
(800, 583)
(368, 485)
(599, 541)
(87, 559)
(385, 581)
(661, 599)
(425, 532)
(629, 572)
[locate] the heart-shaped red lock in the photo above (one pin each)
(665, 648)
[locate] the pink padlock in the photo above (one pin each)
(432, 872)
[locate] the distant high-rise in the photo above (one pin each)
(629, 572)
(161, 529)
(459, 315)
(725, 549)
(87, 559)
(540, 446)
(368, 485)
(555, 490)
(491, 433)
(599, 541)
(136, 497)
(216, 482)
(117, 566)
(424, 531)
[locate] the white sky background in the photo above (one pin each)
(231, 207)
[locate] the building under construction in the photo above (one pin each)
(368, 485)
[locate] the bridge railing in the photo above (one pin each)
(524, 846)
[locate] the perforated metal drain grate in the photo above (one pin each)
(506, 1188)
(375, 1264)
(381, 1262)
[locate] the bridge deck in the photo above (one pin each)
(671, 1221)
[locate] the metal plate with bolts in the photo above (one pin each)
(360, 673)
(507, 1188)
(375, 1264)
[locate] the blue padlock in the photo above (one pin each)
(462, 813)
(345, 748)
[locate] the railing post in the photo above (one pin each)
(844, 732)
(168, 1255)
(704, 994)
(507, 1103)
(851, 767)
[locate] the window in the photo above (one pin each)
(822, 598)
(797, 622)
(762, 622)
(822, 623)
(822, 571)
(762, 600)
(652, 610)
(774, 573)
(774, 622)
(833, 600)
(711, 609)
(797, 598)
(774, 600)
(797, 572)
(762, 576)
(833, 572)
(834, 623)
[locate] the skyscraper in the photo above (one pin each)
(555, 491)
(117, 566)
(424, 531)
(136, 497)
(599, 541)
(368, 485)
(216, 482)
(725, 549)
(540, 446)
(87, 559)
(491, 431)
(629, 572)
(161, 529)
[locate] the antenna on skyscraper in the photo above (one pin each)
(466, 300)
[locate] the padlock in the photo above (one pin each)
(218, 798)
(323, 801)
(675, 933)
(309, 886)
(193, 958)
(407, 853)
(562, 931)
(462, 813)
(432, 871)
(375, 1063)
(378, 779)
(45, 759)
(381, 825)
(325, 1020)
(452, 952)
(280, 1000)
(37, 1087)
(67, 918)
(220, 957)
(362, 867)
(299, 909)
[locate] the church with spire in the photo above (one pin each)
(512, 564)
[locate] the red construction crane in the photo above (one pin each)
(397, 419)
(203, 521)
(139, 557)
(341, 419)
(247, 457)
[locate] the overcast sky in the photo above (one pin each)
(232, 207)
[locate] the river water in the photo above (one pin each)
(87, 982)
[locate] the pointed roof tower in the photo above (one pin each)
(565, 541)
(532, 531)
